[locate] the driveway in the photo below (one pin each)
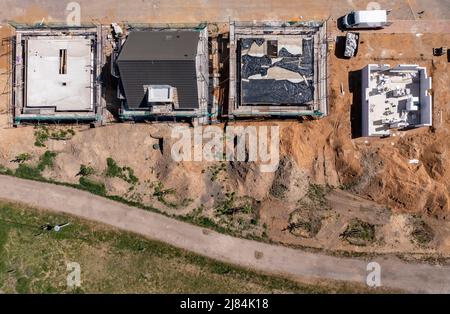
(256, 255)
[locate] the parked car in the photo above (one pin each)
(365, 19)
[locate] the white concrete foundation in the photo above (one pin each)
(47, 87)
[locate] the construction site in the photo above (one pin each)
(64, 60)
(245, 66)
(166, 66)
(395, 98)
(283, 72)
(281, 69)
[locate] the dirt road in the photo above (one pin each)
(216, 10)
(260, 256)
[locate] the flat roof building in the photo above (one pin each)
(56, 74)
(278, 69)
(164, 73)
(395, 98)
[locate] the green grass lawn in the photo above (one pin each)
(34, 261)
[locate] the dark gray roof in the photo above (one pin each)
(160, 45)
(149, 58)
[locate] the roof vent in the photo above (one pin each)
(159, 93)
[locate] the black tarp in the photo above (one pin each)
(280, 91)
(246, 43)
(254, 65)
(302, 64)
(277, 92)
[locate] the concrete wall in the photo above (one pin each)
(426, 106)
(365, 100)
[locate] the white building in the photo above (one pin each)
(395, 98)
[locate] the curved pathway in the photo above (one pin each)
(256, 255)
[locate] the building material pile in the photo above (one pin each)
(351, 44)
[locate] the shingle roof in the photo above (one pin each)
(159, 58)
(160, 45)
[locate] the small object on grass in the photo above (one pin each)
(47, 227)
(56, 228)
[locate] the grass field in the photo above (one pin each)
(35, 261)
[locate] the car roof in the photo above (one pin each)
(371, 16)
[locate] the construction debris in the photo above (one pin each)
(437, 52)
(351, 44)
(118, 32)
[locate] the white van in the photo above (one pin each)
(365, 19)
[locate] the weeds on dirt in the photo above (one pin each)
(315, 198)
(317, 195)
(239, 215)
(215, 170)
(85, 171)
(90, 184)
(229, 206)
(422, 234)
(306, 221)
(5, 170)
(196, 217)
(305, 224)
(46, 160)
(226, 206)
(27, 171)
(93, 186)
(161, 193)
(125, 173)
(43, 134)
(348, 186)
(21, 158)
(359, 232)
(186, 202)
(62, 135)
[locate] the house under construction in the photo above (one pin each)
(278, 69)
(56, 73)
(163, 73)
(395, 98)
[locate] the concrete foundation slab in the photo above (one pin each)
(59, 74)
